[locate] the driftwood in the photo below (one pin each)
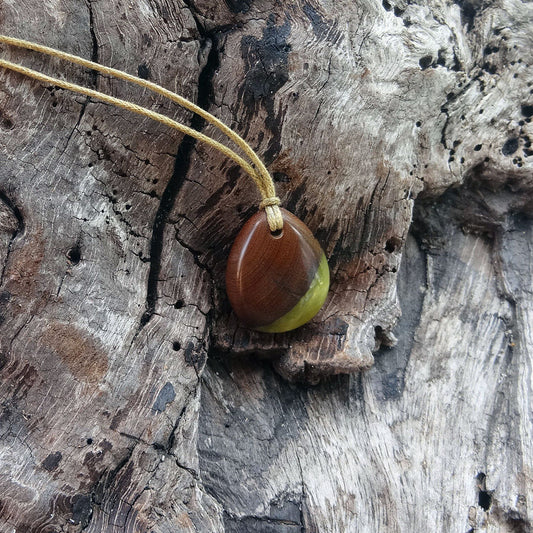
(132, 400)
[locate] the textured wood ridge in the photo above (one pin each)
(400, 133)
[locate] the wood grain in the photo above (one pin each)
(114, 234)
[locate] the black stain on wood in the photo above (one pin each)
(337, 329)
(243, 438)
(318, 23)
(166, 395)
(214, 200)
(267, 70)
(295, 196)
(239, 6)
(82, 510)
(52, 461)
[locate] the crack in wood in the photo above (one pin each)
(94, 52)
(174, 185)
(17, 231)
(94, 75)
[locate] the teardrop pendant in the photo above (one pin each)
(276, 283)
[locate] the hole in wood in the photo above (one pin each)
(484, 500)
(74, 255)
(392, 244)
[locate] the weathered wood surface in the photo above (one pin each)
(113, 247)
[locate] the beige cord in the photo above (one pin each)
(270, 202)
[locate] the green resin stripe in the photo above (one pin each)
(307, 307)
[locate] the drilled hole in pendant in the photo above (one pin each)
(277, 234)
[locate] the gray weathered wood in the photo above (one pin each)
(114, 232)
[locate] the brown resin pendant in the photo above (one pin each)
(276, 283)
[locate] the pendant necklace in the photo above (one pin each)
(277, 275)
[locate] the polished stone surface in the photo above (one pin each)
(276, 283)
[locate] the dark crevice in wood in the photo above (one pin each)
(94, 73)
(172, 437)
(94, 51)
(18, 230)
(194, 12)
(391, 360)
(17, 213)
(245, 524)
(74, 254)
(444, 110)
(181, 168)
(484, 496)
(303, 497)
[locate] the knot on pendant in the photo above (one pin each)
(273, 213)
(271, 201)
